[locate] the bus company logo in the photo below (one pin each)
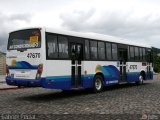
(133, 67)
(97, 68)
(148, 117)
(13, 62)
(18, 116)
(144, 116)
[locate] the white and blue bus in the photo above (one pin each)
(67, 60)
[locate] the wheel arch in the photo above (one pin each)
(101, 74)
(143, 74)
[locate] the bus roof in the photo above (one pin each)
(94, 36)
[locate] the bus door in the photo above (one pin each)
(122, 63)
(76, 52)
(149, 63)
(148, 70)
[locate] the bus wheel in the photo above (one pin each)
(98, 83)
(140, 81)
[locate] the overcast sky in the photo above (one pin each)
(135, 20)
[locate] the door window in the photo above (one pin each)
(79, 52)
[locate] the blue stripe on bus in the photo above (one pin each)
(64, 82)
(23, 65)
(134, 76)
(24, 82)
(57, 82)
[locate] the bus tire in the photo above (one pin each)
(141, 80)
(98, 83)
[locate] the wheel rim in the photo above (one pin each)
(141, 79)
(98, 84)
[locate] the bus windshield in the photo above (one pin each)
(24, 39)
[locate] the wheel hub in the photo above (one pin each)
(98, 84)
(141, 79)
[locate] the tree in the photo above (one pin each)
(157, 64)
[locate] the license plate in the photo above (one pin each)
(22, 74)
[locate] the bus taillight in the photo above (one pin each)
(39, 71)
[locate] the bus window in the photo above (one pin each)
(136, 53)
(87, 55)
(141, 53)
(128, 53)
(114, 51)
(24, 39)
(101, 50)
(52, 46)
(131, 53)
(93, 48)
(144, 54)
(108, 51)
(63, 46)
(148, 55)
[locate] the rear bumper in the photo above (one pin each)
(24, 82)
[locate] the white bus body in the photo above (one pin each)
(66, 60)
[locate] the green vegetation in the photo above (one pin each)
(156, 60)
(157, 64)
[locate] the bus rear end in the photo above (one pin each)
(24, 60)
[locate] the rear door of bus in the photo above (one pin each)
(76, 55)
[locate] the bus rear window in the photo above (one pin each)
(24, 39)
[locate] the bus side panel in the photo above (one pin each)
(58, 74)
(132, 76)
(108, 68)
(134, 70)
(57, 82)
(88, 80)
